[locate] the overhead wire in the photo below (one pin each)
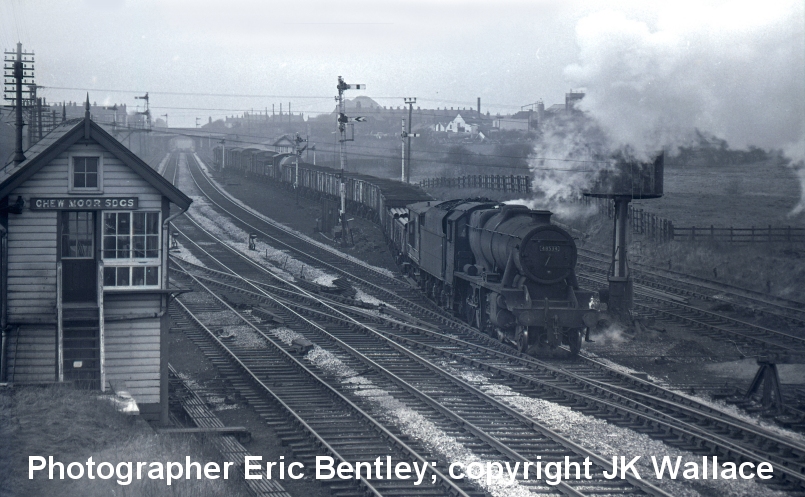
(257, 95)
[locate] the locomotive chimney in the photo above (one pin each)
(543, 217)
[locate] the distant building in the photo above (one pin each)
(571, 99)
(459, 124)
(512, 123)
(284, 145)
(555, 109)
(101, 114)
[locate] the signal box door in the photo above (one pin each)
(78, 257)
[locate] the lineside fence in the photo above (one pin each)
(652, 226)
(741, 235)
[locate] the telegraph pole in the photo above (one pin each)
(403, 136)
(20, 67)
(343, 121)
(223, 154)
(31, 113)
(299, 149)
(407, 137)
(406, 146)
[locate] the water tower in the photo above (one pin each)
(626, 181)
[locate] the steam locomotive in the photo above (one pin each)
(505, 268)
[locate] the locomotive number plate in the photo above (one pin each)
(549, 248)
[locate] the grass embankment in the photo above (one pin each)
(778, 267)
(72, 425)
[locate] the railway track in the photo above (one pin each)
(678, 283)
(528, 385)
(754, 339)
(690, 287)
(470, 429)
(667, 298)
(628, 384)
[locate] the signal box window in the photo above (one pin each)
(77, 235)
(131, 242)
(86, 173)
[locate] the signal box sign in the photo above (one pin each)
(83, 203)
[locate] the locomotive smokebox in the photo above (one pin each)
(538, 249)
(626, 181)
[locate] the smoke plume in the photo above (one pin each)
(733, 70)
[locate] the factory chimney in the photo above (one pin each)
(479, 106)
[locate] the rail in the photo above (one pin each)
(101, 338)
(59, 325)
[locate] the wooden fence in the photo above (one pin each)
(641, 222)
(652, 226)
(498, 182)
(741, 235)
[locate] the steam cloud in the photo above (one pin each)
(734, 70)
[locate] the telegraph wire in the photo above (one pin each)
(255, 95)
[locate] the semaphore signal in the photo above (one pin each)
(343, 121)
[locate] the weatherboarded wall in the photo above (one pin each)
(32, 354)
(32, 235)
(133, 345)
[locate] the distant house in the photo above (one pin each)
(440, 126)
(459, 125)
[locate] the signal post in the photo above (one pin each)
(344, 121)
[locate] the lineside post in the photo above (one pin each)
(343, 121)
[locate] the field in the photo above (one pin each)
(739, 195)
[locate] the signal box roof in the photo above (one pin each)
(74, 131)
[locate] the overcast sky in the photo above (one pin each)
(190, 54)
(445, 53)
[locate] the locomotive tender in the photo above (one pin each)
(504, 268)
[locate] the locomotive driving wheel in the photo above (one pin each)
(522, 340)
